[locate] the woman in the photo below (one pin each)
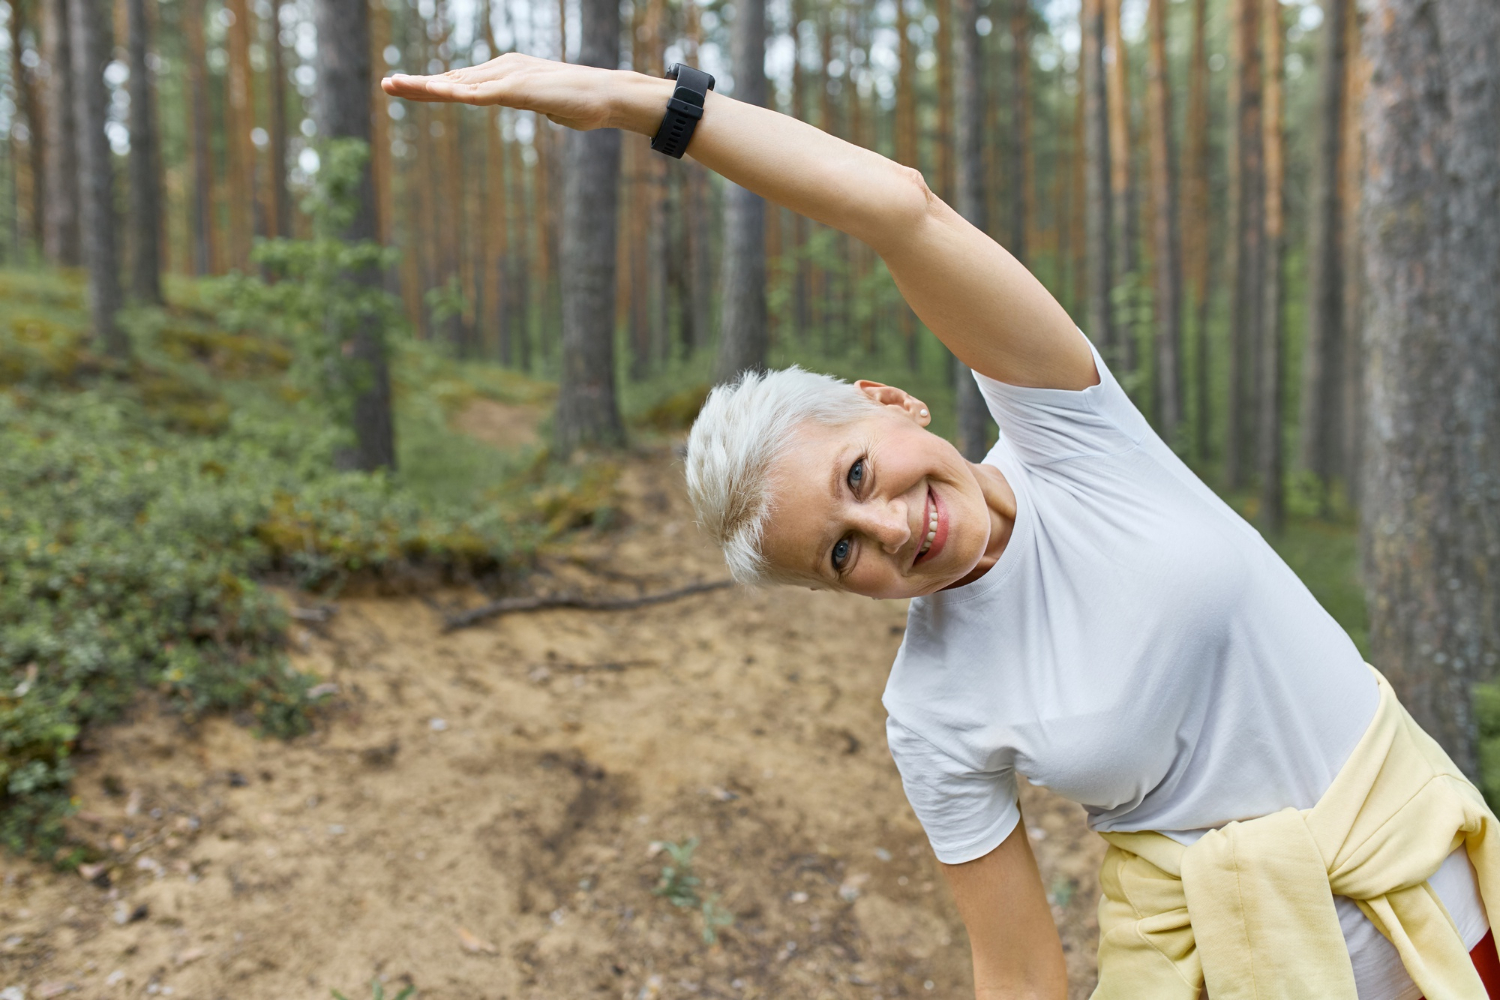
(1084, 612)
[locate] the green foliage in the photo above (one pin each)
(1486, 700)
(142, 507)
(321, 293)
(677, 412)
(679, 886)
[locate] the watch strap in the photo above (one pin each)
(684, 110)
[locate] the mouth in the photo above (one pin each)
(935, 518)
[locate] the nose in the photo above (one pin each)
(887, 524)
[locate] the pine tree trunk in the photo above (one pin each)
(801, 316)
(380, 119)
(518, 268)
(587, 413)
(1165, 234)
(827, 283)
(1097, 209)
(496, 240)
(906, 148)
(1122, 186)
(1430, 524)
(943, 9)
(743, 343)
(145, 174)
(1019, 146)
(201, 179)
(1321, 405)
(1243, 259)
(90, 50)
(60, 233)
(239, 119)
(33, 193)
(1195, 224)
(344, 112)
(1269, 407)
(544, 193)
(696, 220)
(862, 330)
(1352, 172)
(972, 415)
(280, 205)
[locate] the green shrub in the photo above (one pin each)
(143, 505)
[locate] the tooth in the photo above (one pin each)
(930, 536)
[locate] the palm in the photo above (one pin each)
(568, 94)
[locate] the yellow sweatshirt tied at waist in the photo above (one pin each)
(1249, 908)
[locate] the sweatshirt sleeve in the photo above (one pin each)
(966, 813)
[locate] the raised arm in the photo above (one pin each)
(978, 299)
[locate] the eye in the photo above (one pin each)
(856, 475)
(841, 549)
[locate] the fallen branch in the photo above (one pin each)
(514, 605)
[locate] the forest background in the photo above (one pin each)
(290, 279)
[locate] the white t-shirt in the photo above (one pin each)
(1138, 648)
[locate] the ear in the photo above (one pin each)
(889, 395)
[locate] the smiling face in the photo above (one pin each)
(880, 507)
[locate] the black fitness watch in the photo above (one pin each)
(683, 110)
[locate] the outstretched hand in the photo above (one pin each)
(579, 97)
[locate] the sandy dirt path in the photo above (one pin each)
(480, 814)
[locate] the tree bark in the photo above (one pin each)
(380, 122)
(60, 228)
(1272, 492)
(636, 285)
(145, 163)
(906, 148)
(1018, 178)
(1321, 405)
(801, 306)
(1352, 172)
(518, 267)
(943, 9)
(496, 238)
(1165, 234)
(1097, 209)
(587, 412)
(239, 119)
(973, 416)
(1244, 252)
(29, 107)
(343, 108)
(1430, 524)
(201, 181)
(280, 202)
(1122, 184)
(743, 342)
(91, 46)
(1195, 224)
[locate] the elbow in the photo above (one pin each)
(906, 205)
(917, 198)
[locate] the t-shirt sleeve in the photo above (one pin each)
(1051, 425)
(966, 813)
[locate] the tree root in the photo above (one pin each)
(515, 605)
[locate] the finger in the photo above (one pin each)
(441, 89)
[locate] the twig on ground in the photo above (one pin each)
(514, 605)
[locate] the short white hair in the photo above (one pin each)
(744, 426)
